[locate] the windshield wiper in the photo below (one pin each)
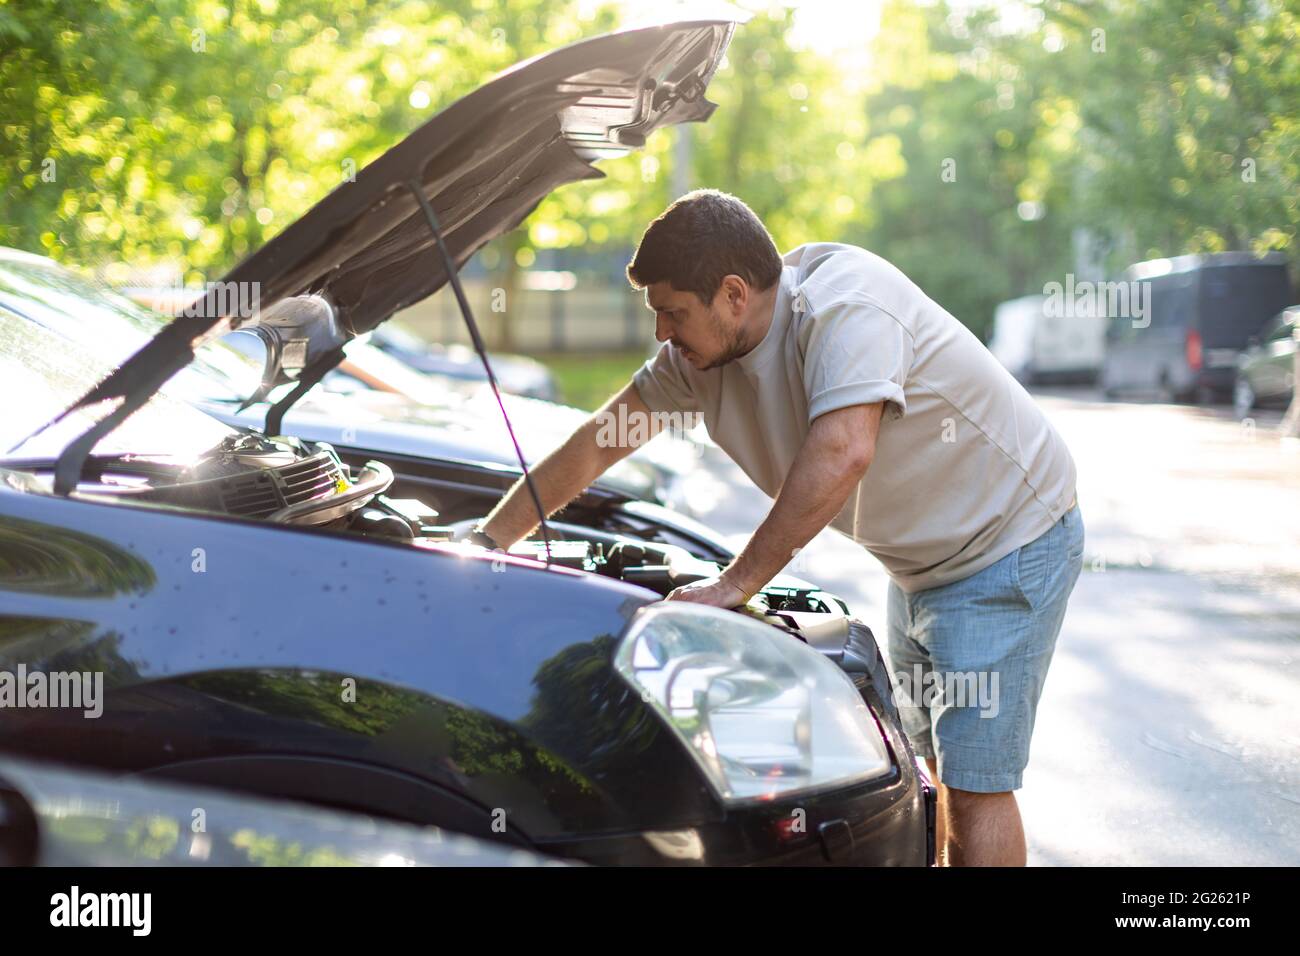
(467, 314)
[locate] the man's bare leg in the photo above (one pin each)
(940, 815)
(976, 829)
(984, 829)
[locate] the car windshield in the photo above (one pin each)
(1282, 326)
(42, 373)
(116, 328)
(110, 328)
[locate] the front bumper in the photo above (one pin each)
(889, 824)
(884, 822)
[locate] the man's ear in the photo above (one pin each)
(735, 293)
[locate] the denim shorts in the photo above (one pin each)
(969, 658)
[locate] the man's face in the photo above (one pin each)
(706, 335)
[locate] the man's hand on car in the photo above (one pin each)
(715, 592)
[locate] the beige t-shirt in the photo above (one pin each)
(967, 468)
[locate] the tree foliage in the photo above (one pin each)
(984, 148)
(1130, 128)
(194, 130)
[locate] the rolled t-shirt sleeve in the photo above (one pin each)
(663, 386)
(857, 354)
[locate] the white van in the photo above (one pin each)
(1038, 345)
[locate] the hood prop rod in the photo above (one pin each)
(453, 275)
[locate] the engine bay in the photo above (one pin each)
(289, 481)
(815, 616)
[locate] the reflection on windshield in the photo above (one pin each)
(41, 374)
(116, 328)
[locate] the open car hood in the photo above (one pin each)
(483, 164)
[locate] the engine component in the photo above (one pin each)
(809, 613)
(249, 475)
(370, 520)
(578, 555)
(420, 517)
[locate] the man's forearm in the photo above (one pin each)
(813, 494)
(559, 478)
(825, 472)
(564, 473)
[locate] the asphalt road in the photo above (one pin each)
(1168, 732)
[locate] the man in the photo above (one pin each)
(854, 400)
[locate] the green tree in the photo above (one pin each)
(1191, 138)
(193, 132)
(977, 210)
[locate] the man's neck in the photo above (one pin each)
(764, 307)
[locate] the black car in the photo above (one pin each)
(435, 422)
(184, 600)
(61, 816)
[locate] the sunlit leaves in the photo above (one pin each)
(194, 131)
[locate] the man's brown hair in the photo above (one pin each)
(702, 237)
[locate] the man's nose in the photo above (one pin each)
(661, 328)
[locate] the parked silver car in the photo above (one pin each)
(1266, 369)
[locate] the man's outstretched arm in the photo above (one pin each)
(563, 474)
(830, 463)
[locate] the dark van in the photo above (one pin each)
(1200, 311)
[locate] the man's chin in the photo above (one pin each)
(719, 362)
(697, 361)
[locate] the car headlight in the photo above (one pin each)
(763, 714)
